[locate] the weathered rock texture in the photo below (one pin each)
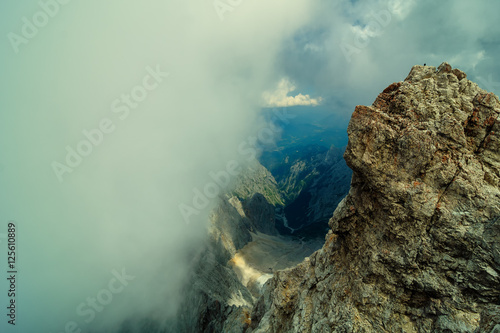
(415, 245)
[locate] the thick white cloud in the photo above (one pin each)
(280, 98)
(120, 206)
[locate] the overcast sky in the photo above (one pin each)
(174, 87)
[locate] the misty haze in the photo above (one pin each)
(249, 166)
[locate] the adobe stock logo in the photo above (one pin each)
(362, 38)
(222, 7)
(250, 149)
(90, 308)
(122, 107)
(30, 28)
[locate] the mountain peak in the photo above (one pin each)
(415, 245)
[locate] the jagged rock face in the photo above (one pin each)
(415, 245)
(255, 178)
(215, 300)
(261, 213)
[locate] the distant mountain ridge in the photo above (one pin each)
(312, 180)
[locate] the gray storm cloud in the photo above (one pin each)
(354, 49)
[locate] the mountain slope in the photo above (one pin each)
(328, 184)
(312, 181)
(242, 251)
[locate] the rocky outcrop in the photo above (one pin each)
(415, 245)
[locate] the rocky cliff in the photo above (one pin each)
(415, 245)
